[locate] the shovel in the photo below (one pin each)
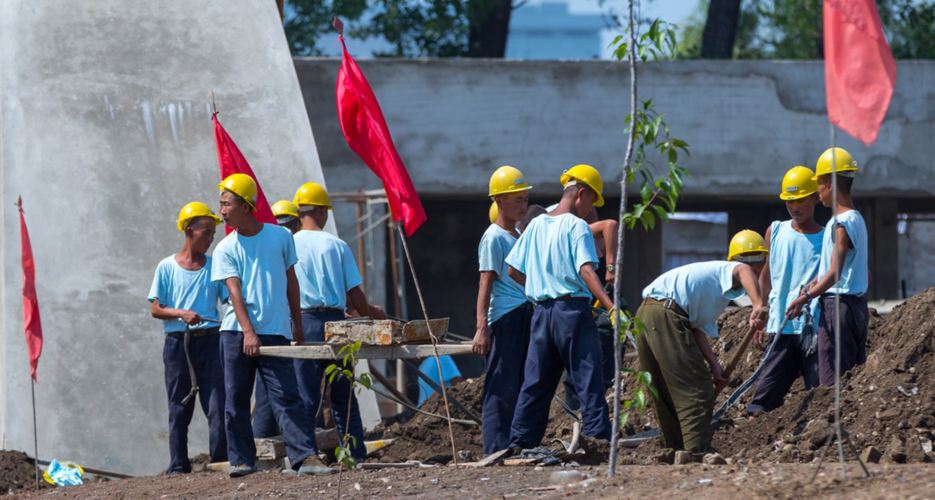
(741, 349)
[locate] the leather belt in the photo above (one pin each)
(316, 310)
(200, 332)
(569, 297)
(668, 304)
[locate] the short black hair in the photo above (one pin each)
(195, 220)
(532, 212)
(845, 183)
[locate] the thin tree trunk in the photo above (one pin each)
(720, 29)
(489, 27)
(621, 239)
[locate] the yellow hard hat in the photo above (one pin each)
(493, 213)
(196, 209)
(242, 185)
(284, 208)
(798, 182)
(312, 194)
(845, 163)
(588, 175)
(747, 241)
(507, 180)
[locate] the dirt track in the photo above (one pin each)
(658, 481)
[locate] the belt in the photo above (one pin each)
(197, 332)
(843, 295)
(315, 310)
(668, 304)
(568, 297)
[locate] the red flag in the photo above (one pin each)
(365, 130)
(231, 162)
(30, 302)
(860, 72)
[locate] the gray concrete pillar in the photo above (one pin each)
(642, 263)
(884, 249)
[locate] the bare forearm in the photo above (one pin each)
(240, 308)
(483, 297)
(701, 340)
(748, 280)
(359, 301)
(610, 241)
(594, 285)
(160, 311)
(516, 276)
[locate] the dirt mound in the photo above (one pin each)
(17, 473)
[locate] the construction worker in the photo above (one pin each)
(287, 215)
(328, 277)
(844, 249)
(680, 310)
(794, 253)
(555, 260)
(264, 422)
(503, 313)
(256, 263)
(183, 297)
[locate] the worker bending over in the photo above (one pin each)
(680, 310)
(256, 262)
(327, 274)
(844, 249)
(794, 253)
(554, 259)
(503, 313)
(183, 297)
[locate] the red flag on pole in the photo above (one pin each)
(30, 303)
(365, 130)
(860, 72)
(231, 162)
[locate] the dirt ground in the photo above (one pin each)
(658, 481)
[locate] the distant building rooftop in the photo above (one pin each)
(549, 31)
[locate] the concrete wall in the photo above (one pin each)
(106, 134)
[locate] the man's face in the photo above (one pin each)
(824, 190)
(802, 209)
(513, 205)
(233, 209)
(584, 202)
(757, 267)
(202, 233)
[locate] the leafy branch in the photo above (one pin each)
(348, 354)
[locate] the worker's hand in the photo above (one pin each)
(481, 344)
(795, 308)
(755, 321)
(190, 318)
(760, 339)
(251, 344)
(719, 381)
(376, 312)
(609, 277)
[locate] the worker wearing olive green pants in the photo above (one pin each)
(680, 310)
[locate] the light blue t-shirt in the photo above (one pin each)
(550, 253)
(506, 294)
(430, 368)
(702, 290)
(793, 262)
(190, 290)
(326, 269)
(855, 275)
(261, 262)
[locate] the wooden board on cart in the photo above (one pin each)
(384, 332)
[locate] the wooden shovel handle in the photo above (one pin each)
(742, 348)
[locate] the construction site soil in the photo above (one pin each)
(887, 404)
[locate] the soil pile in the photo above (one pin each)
(17, 473)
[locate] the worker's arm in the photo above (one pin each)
(357, 299)
(716, 371)
(745, 277)
(295, 305)
(607, 229)
(765, 287)
(160, 311)
(251, 342)
(594, 284)
(838, 256)
(481, 344)
(516, 275)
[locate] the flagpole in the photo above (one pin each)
(428, 324)
(35, 431)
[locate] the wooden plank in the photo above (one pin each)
(513, 462)
(366, 351)
(638, 439)
(493, 457)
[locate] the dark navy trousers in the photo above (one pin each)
(309, 373)
(563, 335)
(506, 361)
(205, 353)
(277, 375)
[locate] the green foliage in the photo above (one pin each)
(434, 28)
(348, 354)
(631, 325)
(307, 20)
